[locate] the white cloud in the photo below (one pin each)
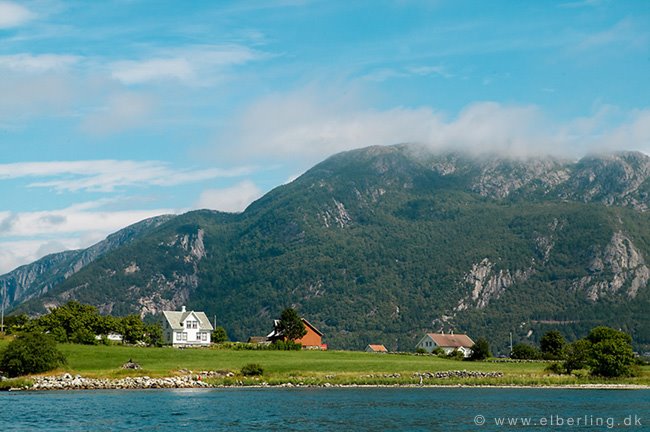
(232, 199)
(108, 175)
(123, 111)
(13, 15)
(72, 220)
(133, 72)
(37, 63)
(310, 125)
(26, 96)
(190, 65)
(28, 236)
(625, 34)
(635, 133)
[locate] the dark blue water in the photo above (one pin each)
(333, 409)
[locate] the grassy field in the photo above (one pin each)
(308, 367)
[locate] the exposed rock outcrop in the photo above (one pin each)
(619, 265)
(488, 284)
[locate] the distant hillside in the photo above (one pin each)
(38, 278)
(384, 243)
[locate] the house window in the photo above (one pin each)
(204, 337)
(183, 336)
(198, 336)
(178, 335)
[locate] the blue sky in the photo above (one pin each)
(114, 111)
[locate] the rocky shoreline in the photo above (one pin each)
(77, 382)
(190, 379)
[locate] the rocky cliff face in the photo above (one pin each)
(619, 266)
(38, 278)
(621, 179)
(614, 179)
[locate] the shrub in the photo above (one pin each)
(252, 369)
(456, 355)
(31, 353)
(555, 368)
(219, 335)
(420, 351)
(285, 346)
(523, 351)
(439, 352)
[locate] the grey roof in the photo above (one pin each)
(175, 318)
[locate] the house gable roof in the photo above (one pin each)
(175, 319)
(275, 333)
(311, 326)
(451, 340)
(377, 348)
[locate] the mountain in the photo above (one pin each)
(38, 278)
(384, 243)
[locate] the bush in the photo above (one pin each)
(252, 369)
(456, 355)
(219, 335)
(555, 368)
(523, 351)
(420, 351)
(285, 346)
(31, 353)
(439, 352)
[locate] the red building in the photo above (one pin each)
(313, 339)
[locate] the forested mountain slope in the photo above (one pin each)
(384, 243)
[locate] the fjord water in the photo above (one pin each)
(327, 409)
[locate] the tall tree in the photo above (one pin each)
(480, 350)
(552, 344)
(290, 325)
(611, 352)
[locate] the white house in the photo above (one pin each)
(448, 342)
(186, 328)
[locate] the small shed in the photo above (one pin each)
(376, 348)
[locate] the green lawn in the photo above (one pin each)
(307, 367)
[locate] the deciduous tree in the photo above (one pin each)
(31, 353)
(552, 344)
(480, 350)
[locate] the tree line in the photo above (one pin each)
(604, 352)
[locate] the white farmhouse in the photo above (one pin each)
(448, 342)
(186, 328)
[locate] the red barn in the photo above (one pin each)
(313, 339)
